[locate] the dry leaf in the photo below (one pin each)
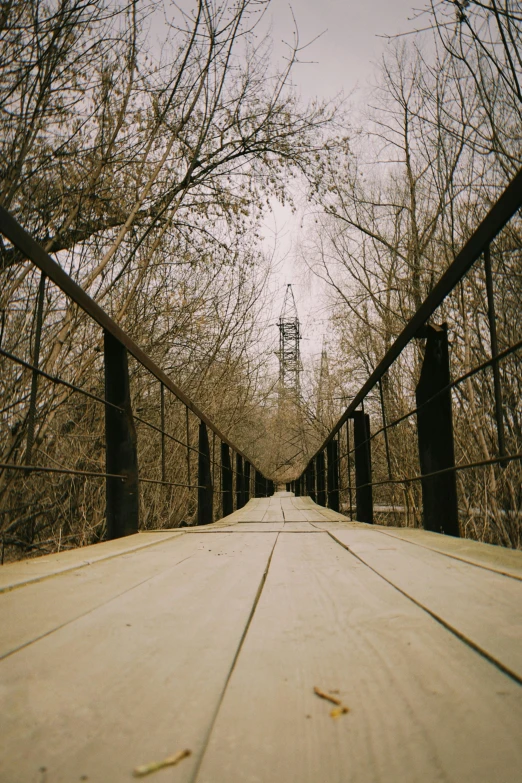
(338, 711)
(170, 761)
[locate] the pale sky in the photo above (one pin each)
(350, 44)
(344, 60)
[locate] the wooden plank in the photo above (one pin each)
(273, 514)
(290, 512)
(483, 607)
(423, 705)
(254, 515)
(496, 558)
(294, 515)
(336, 524)
(306, 503)
(24, 571)
(247, 527)
(300, 527)
(136, 679)
(36, 609)
(252, 511)
(333, 516)
(312, 515)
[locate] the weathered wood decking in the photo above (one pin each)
(213, 639)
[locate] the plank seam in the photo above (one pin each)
(454, 557)
(43, 577)
(89, 611)
(469, 642)
(460, 558)
(206, 741)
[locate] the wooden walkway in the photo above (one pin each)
(213, 640)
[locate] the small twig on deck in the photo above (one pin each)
(323, 695)
(339, 709)
(170, 761)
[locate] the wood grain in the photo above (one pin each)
(28, 613)
(495, 558)
(24, 571)
(482, 606)
(423, 705)
(134, 680)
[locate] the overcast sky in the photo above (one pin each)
(344, 60)
(350, 44)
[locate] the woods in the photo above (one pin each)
(141, 144)
(145, 169)
(438, 142)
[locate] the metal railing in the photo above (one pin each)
(344, 464)
(231, 475)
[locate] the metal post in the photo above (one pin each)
(499, 416)
(122, 494)
(258, 484)
(363, 467)
(348, 449)
(239, 481)
(213, 472)
(435, 433)
(246, 482)
(188, 446)
(332, 454)
(270, 488)
(205, 489)
(320, 473)
(310, 479)
(226, 481)
(36, 360)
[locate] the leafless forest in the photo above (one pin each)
(145, 169)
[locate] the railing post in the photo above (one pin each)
(363, 467)
(258, 484)
(246, 482)
(310, 479)
(121, 457)
(239, 481)
(271, 488)
(332, 454)
(187, 428)
(205, 493)
(226, 480)
(297, 490)
(319, 470)
(435, 432)
(349, 466)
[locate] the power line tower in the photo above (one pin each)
(289, 352)
(325, 411)
(322, 389)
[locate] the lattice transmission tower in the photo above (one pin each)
(289, 352)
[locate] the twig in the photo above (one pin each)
(170, 761)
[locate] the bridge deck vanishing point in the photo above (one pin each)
(213, 639)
